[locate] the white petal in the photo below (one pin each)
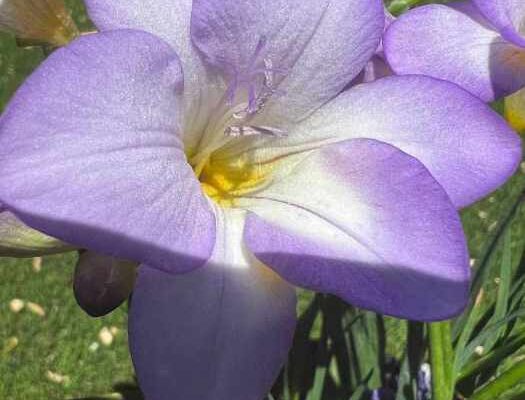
(221, 332)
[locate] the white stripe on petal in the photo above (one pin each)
(220, 332)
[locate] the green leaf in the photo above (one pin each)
(494, 358)
(367, 348)
(441, 358)
(359, 393)
(322, 361)
(502, 301)
(301, 363)
(335, 312)
(461, 359)
(481, 268)
(465, 324)
(412, 359)
(502, 384)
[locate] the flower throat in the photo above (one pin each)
(224, 179)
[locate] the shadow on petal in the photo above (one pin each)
(398, 291)
(507, 68)
(215, 333)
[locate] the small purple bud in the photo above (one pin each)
(102, 283)
(376, 395)
(424, 382)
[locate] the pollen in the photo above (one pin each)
(515, 110)
(226, 181)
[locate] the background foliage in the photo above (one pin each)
(340, 353)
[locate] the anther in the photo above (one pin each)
(247, 130)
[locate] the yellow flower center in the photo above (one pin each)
(227, 180)
(224, 177)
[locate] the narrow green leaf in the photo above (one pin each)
(461, 359)
(359, 393)
(464, 325)
(506, 220)
(366, 338)
(322, 363)
(473, 318)
(441, 357)
(518, 286)
(301, 363)
(319, 382)
(502, 300)
(412, 359)
(286, 384)
(494, 358)
(397, 7)
(515, 395)
(335, 312)
(505, 382)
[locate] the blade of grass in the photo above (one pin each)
(506, 218)
(286, 384)
(502, 300)
(518, 395)
(503, 383)
(494, 358)
(359, 393)
(462, 358)
(322, 362)
(367, 337)
(466, 322)
(335, 320)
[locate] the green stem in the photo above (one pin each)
(441, 358)
(399, 6)
(504, 382)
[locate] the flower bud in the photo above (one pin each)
(19, 240)
(102, 283)
(515, 110)
(41, 21)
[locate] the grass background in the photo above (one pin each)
(62, 341)
(59, 342)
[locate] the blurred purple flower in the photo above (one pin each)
(479, 44)
(424, 382)
(220, 152)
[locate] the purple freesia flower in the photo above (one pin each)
(377, 67)
(221, 152)
(478, 44)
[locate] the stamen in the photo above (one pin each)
(259, 80)
(243, 131)
(268, 73)
(257, 99)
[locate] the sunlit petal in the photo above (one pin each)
(221, 332)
